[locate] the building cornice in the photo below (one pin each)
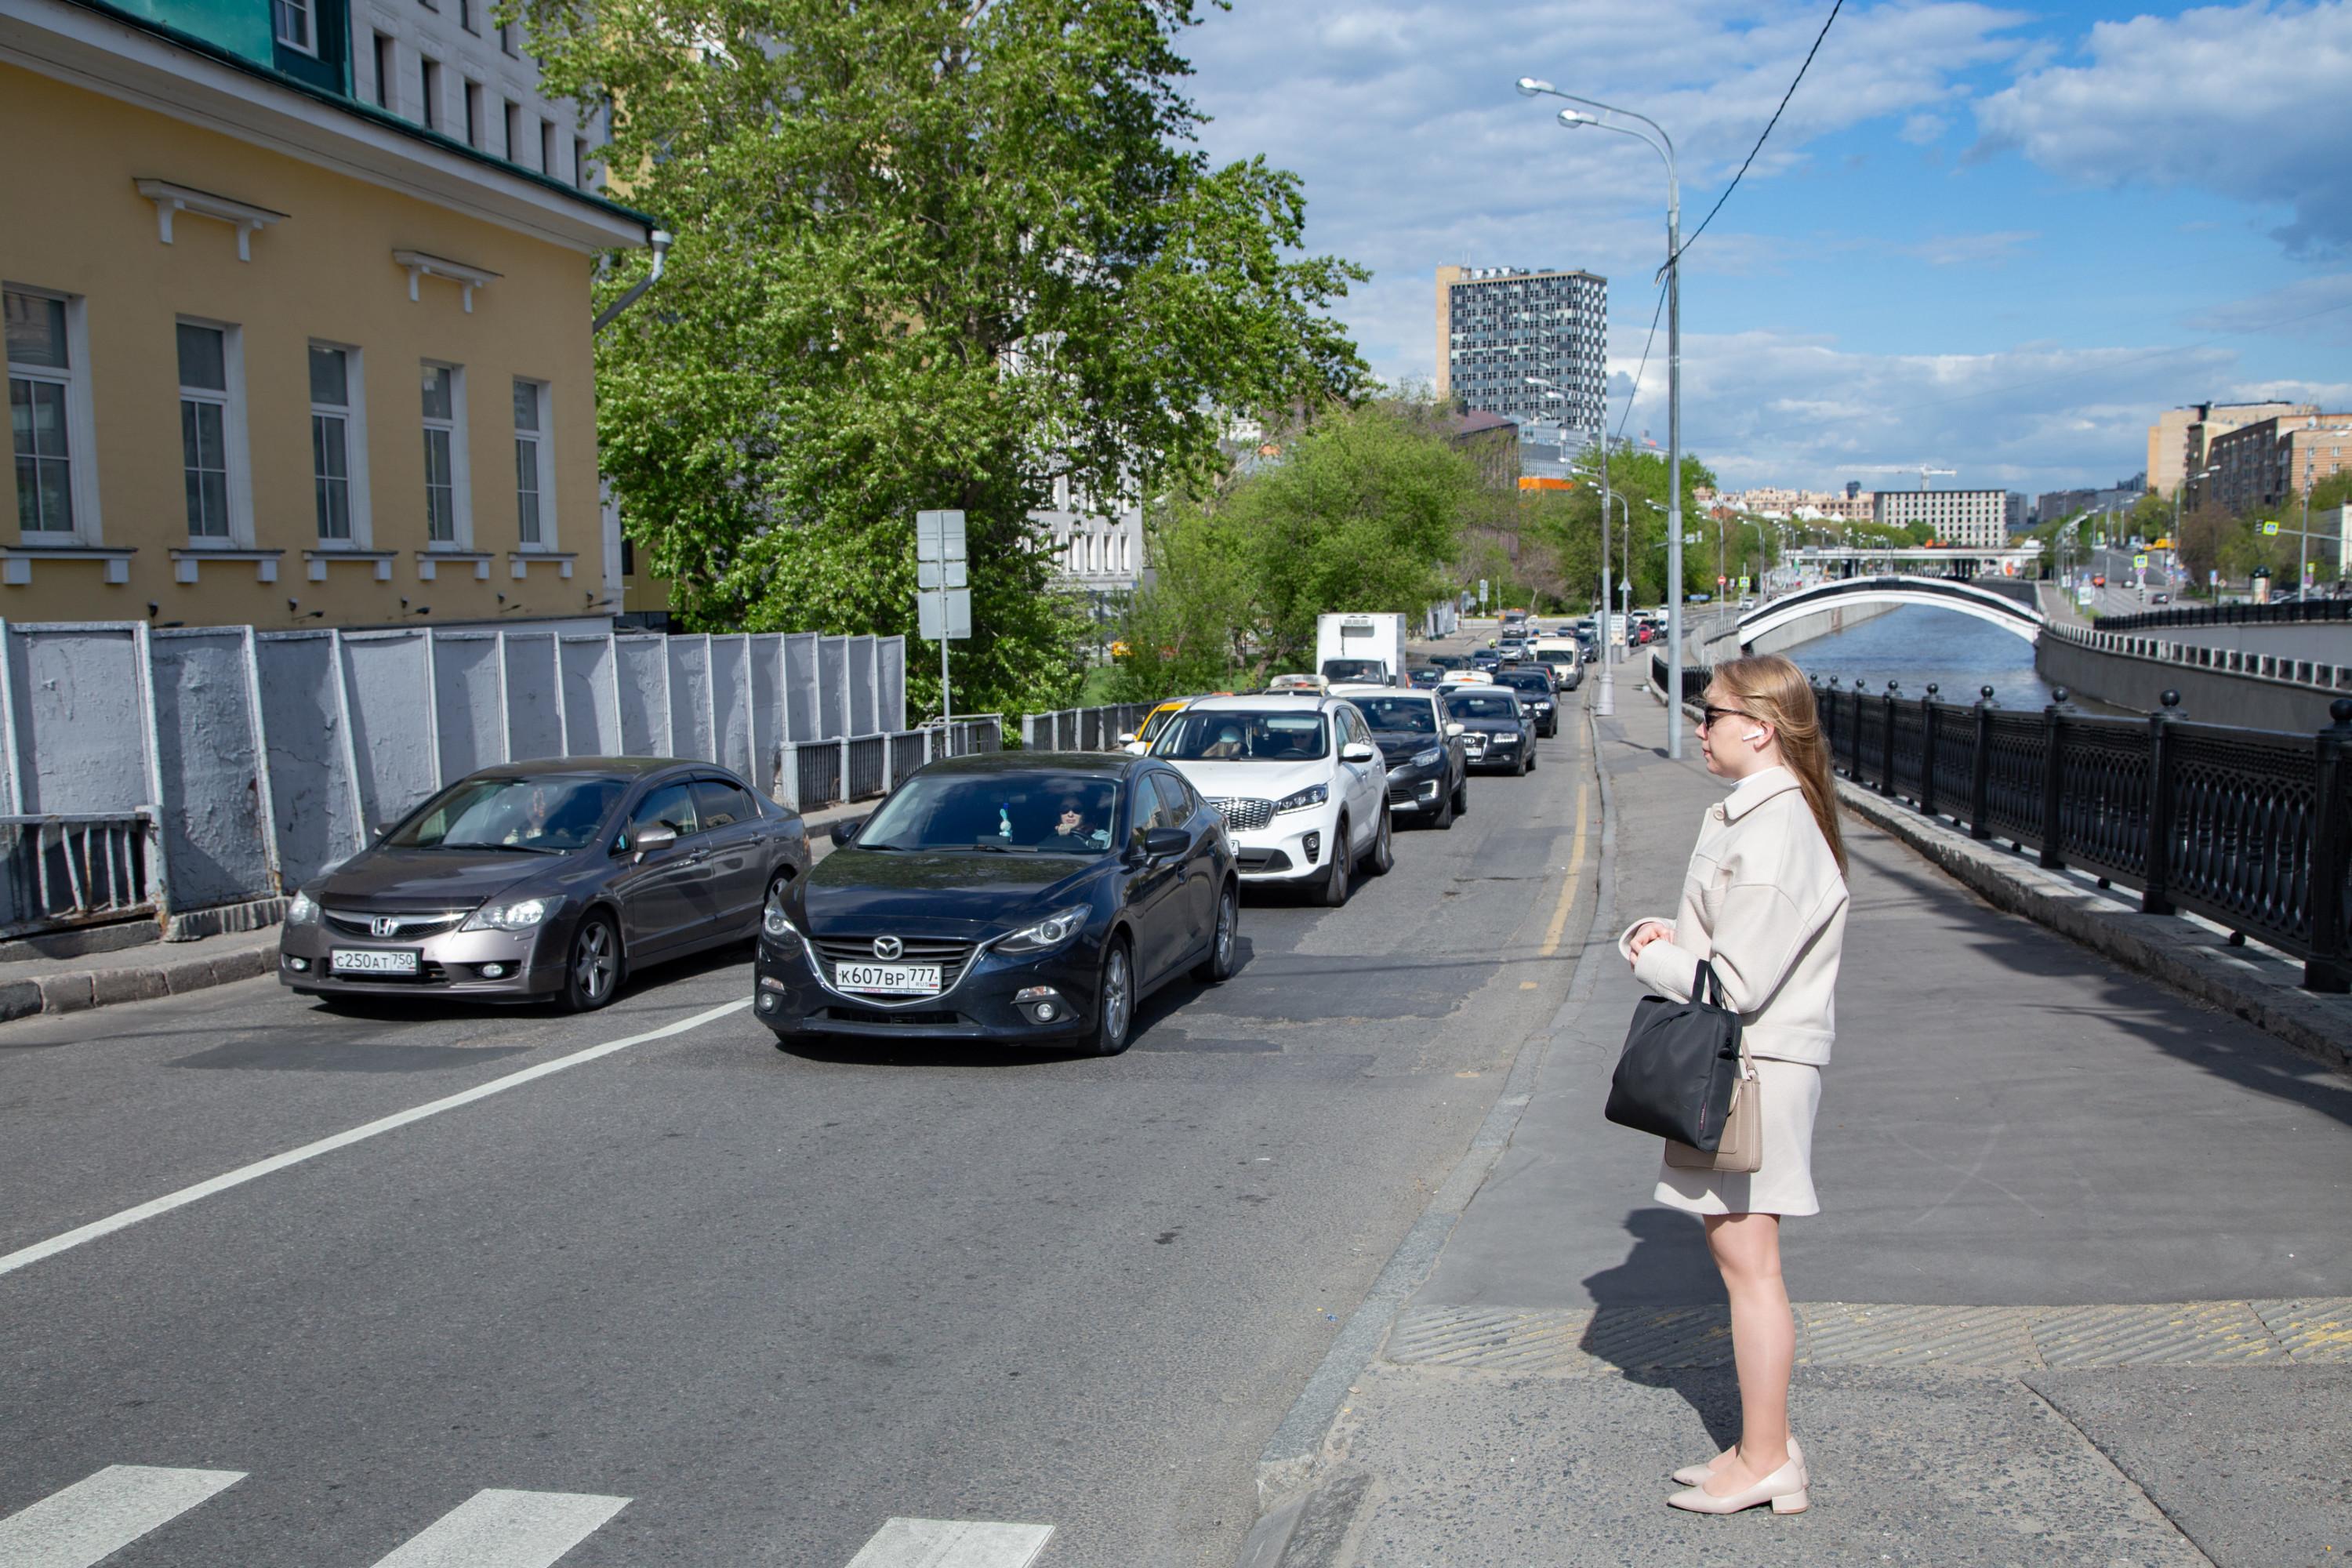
(92, 44)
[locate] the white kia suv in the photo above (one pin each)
(1301, 784)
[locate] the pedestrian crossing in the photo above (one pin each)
(82, 1525)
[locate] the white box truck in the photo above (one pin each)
(1361, 646)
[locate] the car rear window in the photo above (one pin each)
(1416, 714)
(1473, 704)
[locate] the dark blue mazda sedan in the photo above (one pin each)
(1028, 898)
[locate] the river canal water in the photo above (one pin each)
(1913, 644)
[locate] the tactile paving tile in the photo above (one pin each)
(1634, 1337)
(1494, 1340)
(2311, 1331)
(2183, 1334)
(1839, 1333)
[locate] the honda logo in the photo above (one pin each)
(888, 947)
(384, 925)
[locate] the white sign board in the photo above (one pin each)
(929, 573)
(958, 618)
(938, 536)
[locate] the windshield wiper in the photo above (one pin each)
(498, 849)
(997, 846)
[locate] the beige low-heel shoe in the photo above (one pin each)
(1784, 1489)
(1699, 1475)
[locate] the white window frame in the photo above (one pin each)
(236, 449)
(431, 74)
(309, 11)
(512, 122)
(543, 465)
(472, 96)
(82, 435)
(383, 55)
(353, 413)
(461, 499)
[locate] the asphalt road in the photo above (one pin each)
(697, 1300)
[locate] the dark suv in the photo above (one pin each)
(1537, 695)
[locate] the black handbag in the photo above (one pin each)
(1680, 1063)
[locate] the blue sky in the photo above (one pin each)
(1996, 238)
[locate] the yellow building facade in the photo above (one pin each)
(277, 356)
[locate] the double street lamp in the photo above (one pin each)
(1664, 145)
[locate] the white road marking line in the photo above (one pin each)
(500, 1529)
(952, 1544)
(1575, 873)
(128, 1218)
(100, 1515)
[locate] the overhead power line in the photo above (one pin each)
(1645, 365)
(1761, 140)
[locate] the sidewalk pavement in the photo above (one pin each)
(154, 969)
(2080, 1291)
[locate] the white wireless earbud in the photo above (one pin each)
(1753, 735)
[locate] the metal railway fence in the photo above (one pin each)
(2250, 828)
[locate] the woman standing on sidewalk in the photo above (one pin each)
(1764, 902)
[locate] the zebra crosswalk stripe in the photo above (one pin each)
(102, 1514)
(952, 1544)
(500, 1529)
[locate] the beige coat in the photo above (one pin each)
(1764, 900)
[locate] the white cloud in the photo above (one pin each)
(1968, 249)
(1922, 129)
(2310, 308)
(2247, 101)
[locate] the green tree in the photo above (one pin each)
(928, 254)
(1641, 478)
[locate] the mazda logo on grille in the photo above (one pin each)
(384, 925)
(888, 947)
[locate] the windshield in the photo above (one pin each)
(553, 813)
(1417, 715)
(1533, 680)
(1486, 704)
(1039, 813)
(1198, 737)
(1339, 670)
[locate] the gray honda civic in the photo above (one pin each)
(546, 880)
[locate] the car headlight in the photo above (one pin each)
(775, 921)
(1430, 758)
(303, 911)
(521, 915)
(1304, 798)
(1047, 934)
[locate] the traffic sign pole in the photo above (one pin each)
(939, 580)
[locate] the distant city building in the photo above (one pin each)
(1096, 551)
(1970, 518)
(1852, 504)
(2265, 465)
(2051, 506)
(1497, 326)
(2181, 441)
(297, 304)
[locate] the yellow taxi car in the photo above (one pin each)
(1153, 722)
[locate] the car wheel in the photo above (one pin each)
(1461, 802)
(1383, 856)
(1445, 808)
(1218, 967)
(1527, 760)
(593, 973)
(1334, 891)
(1114, 1000)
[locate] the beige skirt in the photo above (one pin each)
(1783, 1182)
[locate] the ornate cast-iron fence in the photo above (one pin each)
(2252, 828)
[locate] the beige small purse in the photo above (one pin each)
(1741, 1148)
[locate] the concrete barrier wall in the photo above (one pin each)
(1723, 640)
(2219, 697)
(267, 756)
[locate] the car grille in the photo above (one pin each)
(932, 1019)
(1262, 860)
(412, 928)
(1245, 816)
(949, 955)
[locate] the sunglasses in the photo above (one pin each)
(1712, 714)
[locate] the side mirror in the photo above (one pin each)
(1454, 731)
(1128, 739)
(1162, 841)
(384, 829)
(843, 831)
(1357, 751)
(660, 835)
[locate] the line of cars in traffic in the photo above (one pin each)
(1009, 897)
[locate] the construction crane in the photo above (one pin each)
(1922, 469)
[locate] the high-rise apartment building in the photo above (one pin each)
(1974, 518)
(2181, 441)
(2266, 466)
(1498, 326)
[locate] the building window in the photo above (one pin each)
(514, 133)
(547, 147)
(465, 15)
(384, 69)
(580, 163)
(42, 388)
(444, 453)
(430, 69)
(206, 428)
(507, 41)
(334, 417)
(294, 24)
(628, 557)
(473, 114)
(534, 476)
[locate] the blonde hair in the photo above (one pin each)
(1771, 689)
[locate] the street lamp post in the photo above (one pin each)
(1606, 703)
(1531, 87)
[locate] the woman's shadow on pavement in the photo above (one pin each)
(1660, 1318)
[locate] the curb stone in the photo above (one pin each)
(78, 990)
